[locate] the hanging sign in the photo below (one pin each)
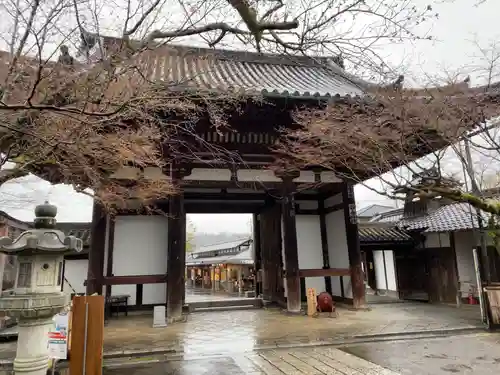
(58, 338)
(58, 345)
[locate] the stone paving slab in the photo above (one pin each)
(312, 361)
(467, 354)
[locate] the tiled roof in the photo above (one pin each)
(370, 233)
(451, 217)
(79, 230)
(392, 216)
(242, 71)
(243, 257)
(373, 209)
(221, 246)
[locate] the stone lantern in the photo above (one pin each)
(36, 297)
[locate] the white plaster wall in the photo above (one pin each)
(437, 240)
(337, 250)
(309, 245)
(140, 248)
(385, 267)
(75, 272)
(391, 270)
(464, 243)
(378, 264)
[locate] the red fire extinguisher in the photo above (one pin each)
(472, 300)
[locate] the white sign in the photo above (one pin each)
(58, 339)
(159, 317)
(58, 345)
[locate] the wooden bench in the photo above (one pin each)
(116, 302)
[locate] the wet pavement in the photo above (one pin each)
(309, 361)
(466, 354)
(220, 332)
(227, 332)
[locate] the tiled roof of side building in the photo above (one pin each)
(451, 217)
(373, 233)
(373, 209)
(243, 257)
(221, 246)
(392, 216)
(79, 230)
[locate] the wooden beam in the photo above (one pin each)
(324, 244)
(77, 256)
(134, 280)
(247, 196)
(221, 208)
(320, 272)
(305, 211)
(353, 247)
(334, 208)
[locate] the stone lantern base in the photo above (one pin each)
(34, 313)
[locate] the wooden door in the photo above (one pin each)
(412, 275)
(442, 281)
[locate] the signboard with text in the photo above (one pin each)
(58, 338)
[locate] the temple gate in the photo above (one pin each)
(307, 231)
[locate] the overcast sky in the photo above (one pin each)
(459, 24)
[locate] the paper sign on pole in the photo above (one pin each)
(58, 339)
(58, 345)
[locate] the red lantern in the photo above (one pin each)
(325, 302)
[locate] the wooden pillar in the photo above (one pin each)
(324, 243)
(240, 278)
(212, 277)
(257, 254)
(111, 245)
(290, 246)
(176, 261)
(271, 249)
(96, 252)
(353, 248)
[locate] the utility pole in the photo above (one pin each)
(482, 269)
(477, 192)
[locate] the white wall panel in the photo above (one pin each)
(310, 253)
(337, 250)
(75, 272)
(391, 270)
(378, 264)
(437, 240)
(140, 248)
(464, 243)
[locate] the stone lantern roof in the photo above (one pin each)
(43, 238)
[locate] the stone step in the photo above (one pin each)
(228, 303)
